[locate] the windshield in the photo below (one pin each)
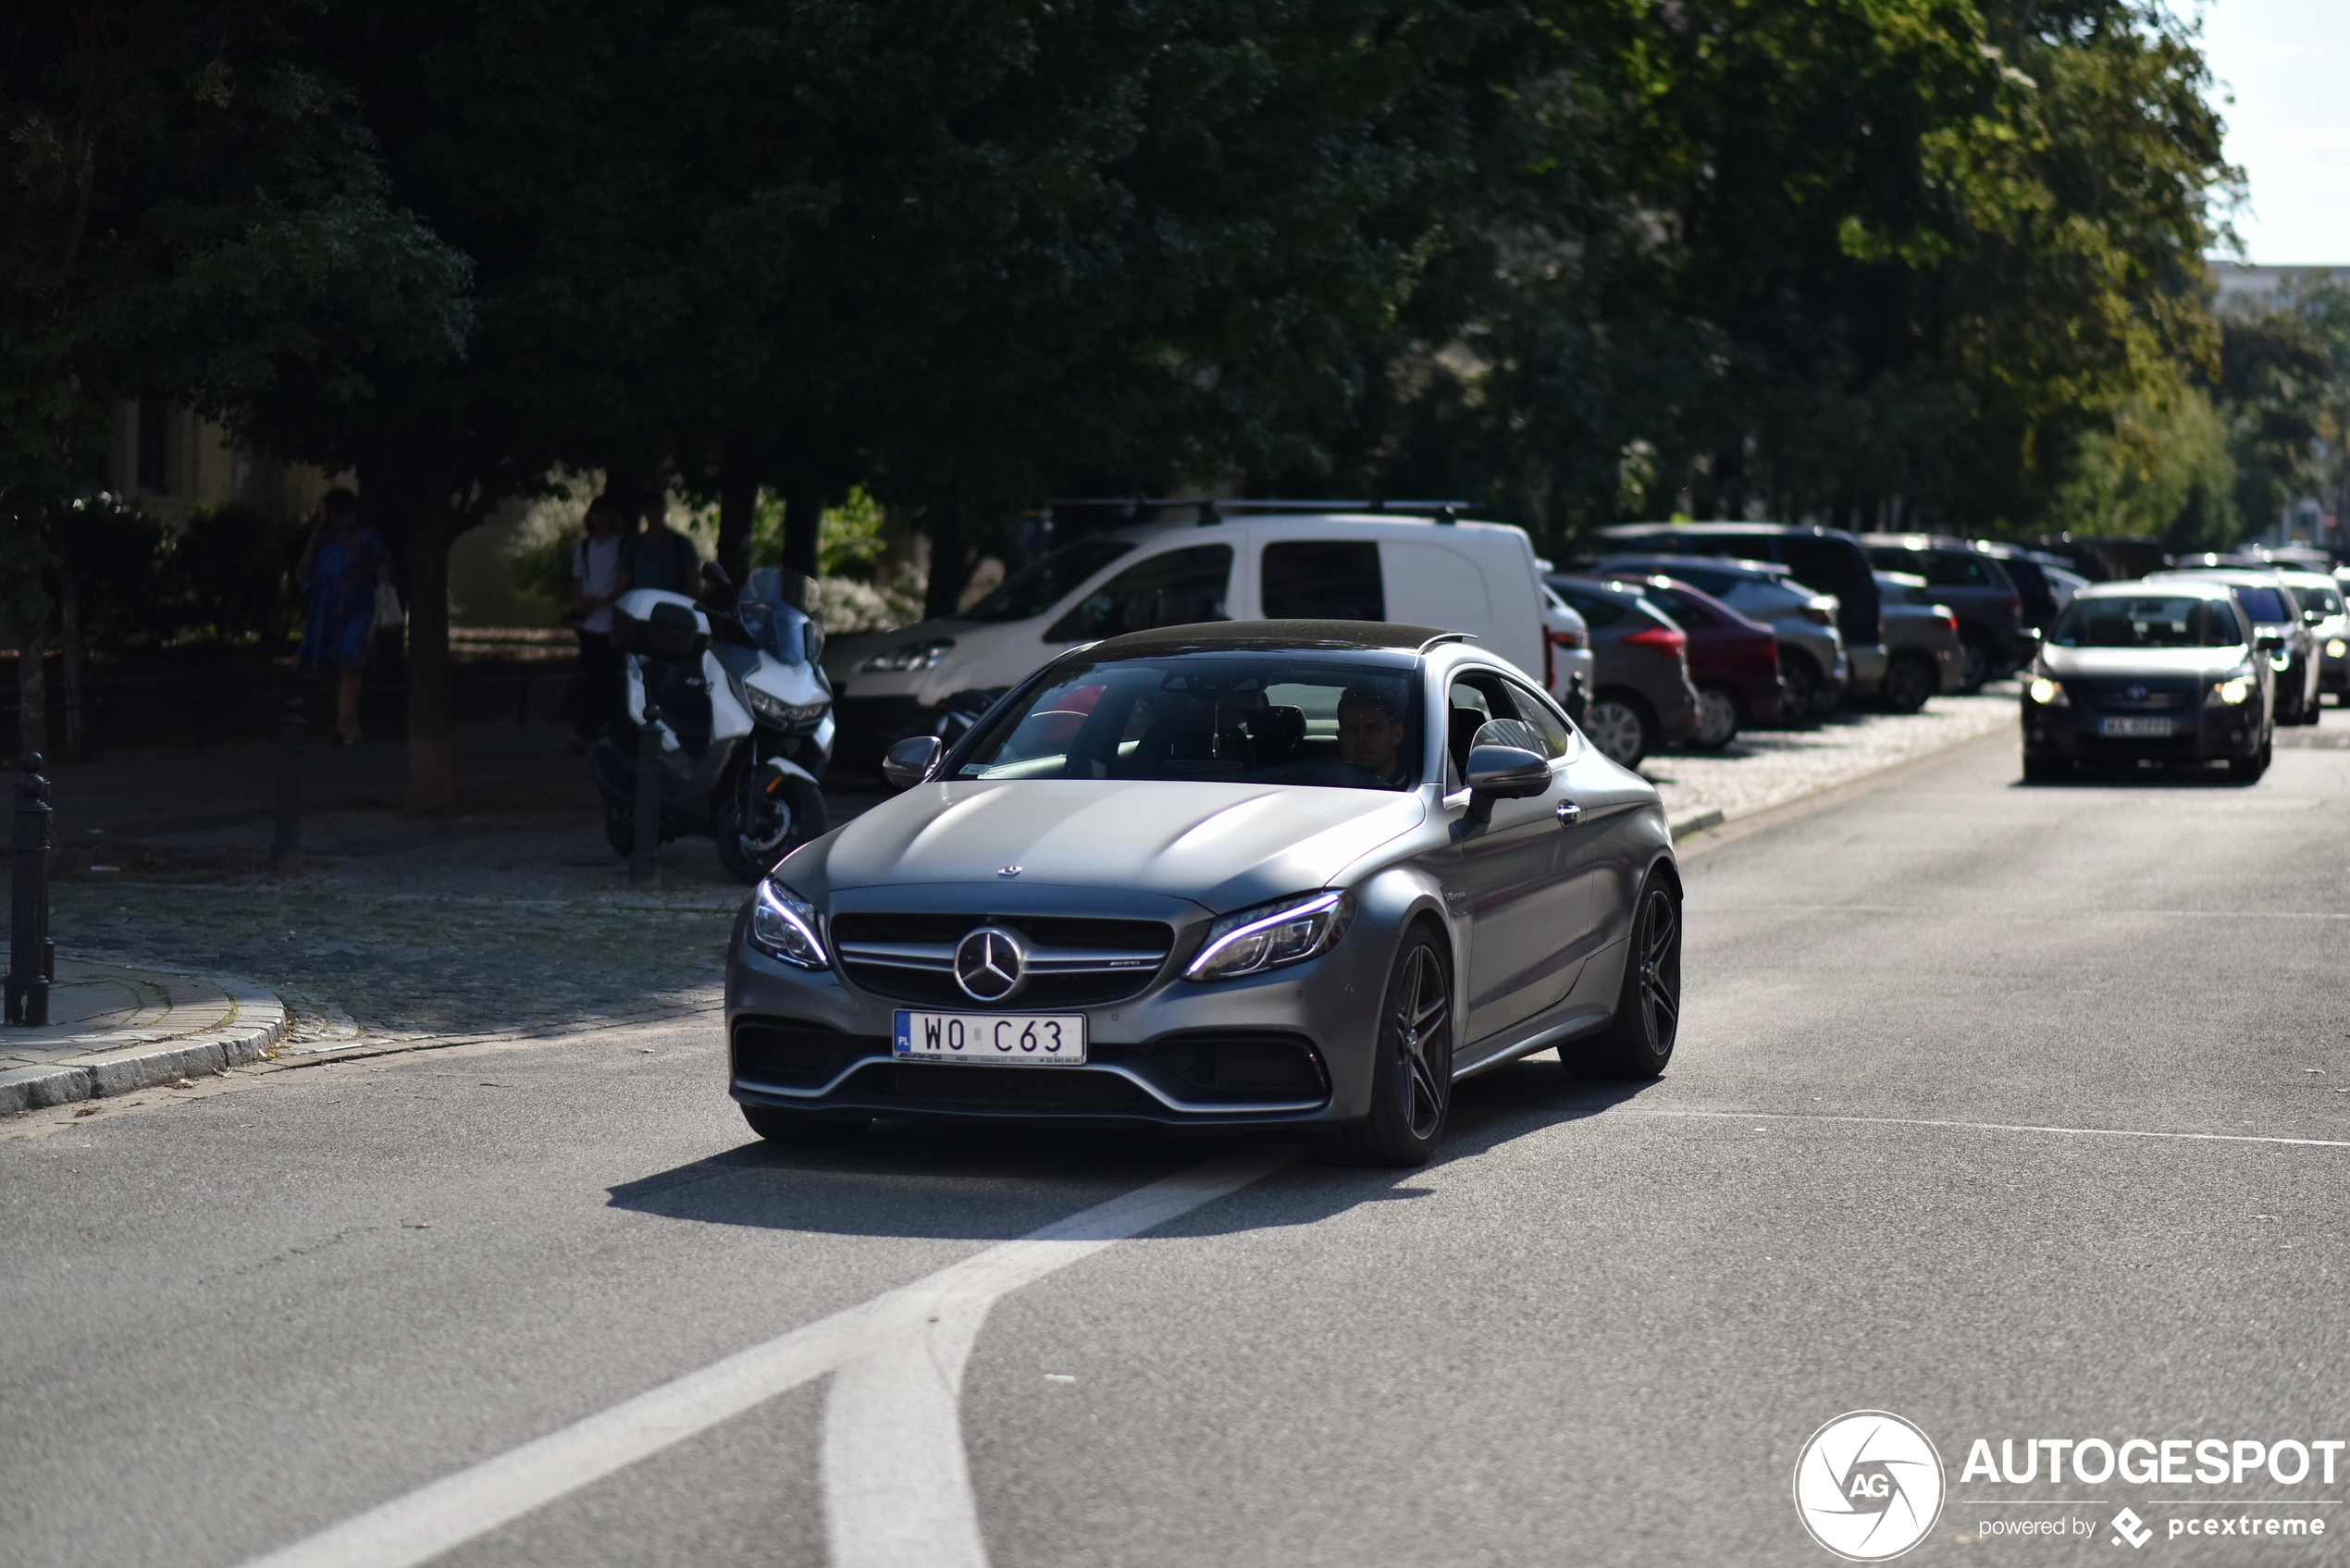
(1242, 718)
(774, 623)
(1040, 585)
(2164, 621)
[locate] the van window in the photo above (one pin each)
(1323, 580)
(1176, 588)
(1040, 585)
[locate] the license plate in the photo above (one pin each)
(2134, 727)
(1028, 1040)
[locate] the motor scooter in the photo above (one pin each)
(744, 720)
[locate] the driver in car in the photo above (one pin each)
(1370, 733)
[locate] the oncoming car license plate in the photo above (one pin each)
(2134, 727)
(1029, 1039)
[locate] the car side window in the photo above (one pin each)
(1597, 610)
(1558, 736)
(1954, 569)
(1322, 580)
(1177, 587)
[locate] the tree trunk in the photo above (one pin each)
(949, 572)
(69, 663)
(803, 527)
(737, 503)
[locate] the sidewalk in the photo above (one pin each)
(114, 1028)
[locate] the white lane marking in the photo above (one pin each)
(1999, 1126)
(421, 1526)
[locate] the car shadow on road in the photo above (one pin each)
(2169, 775)
(927, 1180)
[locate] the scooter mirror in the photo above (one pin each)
(715, 575)
(909, 762)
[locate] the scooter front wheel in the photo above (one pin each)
(620, 830)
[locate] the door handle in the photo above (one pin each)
(1569, 813)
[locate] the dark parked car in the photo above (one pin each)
(2276, 618)
(1825, 560)
(1813, 670)
(1734, 663)
(2167, 669)
(1990, 611)
(1642, 695)
(2028, 569)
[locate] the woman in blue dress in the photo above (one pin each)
(342, 566)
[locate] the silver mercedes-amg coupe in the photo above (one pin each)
(1247, 874)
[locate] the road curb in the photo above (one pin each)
(1696, 822)
(256, 1021)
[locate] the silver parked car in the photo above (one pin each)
(1923, 652)
(1296, 873)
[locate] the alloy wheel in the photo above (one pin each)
(1616, 729)
(1717, 718)
(1423, 1024)
(1660, 959)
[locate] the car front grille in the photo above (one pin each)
(2121, 699)
(1075, 962)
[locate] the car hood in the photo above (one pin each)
(1225, 846)
(2091, 662)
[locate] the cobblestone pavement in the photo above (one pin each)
(1764, 768)
(510, 919)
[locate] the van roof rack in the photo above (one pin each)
(1213, 511)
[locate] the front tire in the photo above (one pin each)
(1718, 717)
(755, 832)
(804, 1126)
(2041, 769)
(2247, 770)
(1908, 681)
(1621, 726)
(1638, 1041)
(1412, 1072)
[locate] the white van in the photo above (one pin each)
(1476, 578)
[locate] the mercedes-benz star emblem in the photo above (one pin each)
(991, 964)
(2137, 691)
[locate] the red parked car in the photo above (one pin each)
(1734, 663)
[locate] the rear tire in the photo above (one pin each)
(1979, 662)
(1908, 681)
(1412, 1071)
(1638, 1041)
(805, 1127)
(1719, 713)
(1621, 725)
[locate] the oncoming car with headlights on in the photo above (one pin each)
(2169, 669)
(1303, 873)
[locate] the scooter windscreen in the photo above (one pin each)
(778, 626)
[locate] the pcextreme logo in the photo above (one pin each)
(1868, 1485)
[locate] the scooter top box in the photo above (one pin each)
(669, 630)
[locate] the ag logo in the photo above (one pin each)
(1868, 1485)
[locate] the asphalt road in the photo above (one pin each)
(1882, 1174)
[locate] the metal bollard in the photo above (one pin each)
(285, 849)
(644, 864)
(32, 958)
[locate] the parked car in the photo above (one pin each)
(2030, 571)
(1734, 663)
(2064, 584)
(2321, 610)
(1379, 861)
(1813, 669)
(1642, 695)
(1966, 578)
(1568, 667)
(2276, 618)
(1825, 560)
(1212, 565)
(1923, 653)
(2169, 669)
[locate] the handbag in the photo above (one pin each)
(390, 617)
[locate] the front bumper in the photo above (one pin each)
(1290, 1046)
(2206, 733)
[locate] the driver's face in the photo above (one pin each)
(1368, 738)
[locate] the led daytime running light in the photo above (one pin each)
(782, 924)
(1248, 941)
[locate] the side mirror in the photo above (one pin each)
(2269, 642)
(1504, 772)
(911, 760)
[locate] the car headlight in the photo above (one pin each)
(1285, 931)
(909, 656)
(775, 711)
(2233, 691)
(2045, 692)
(2337, 647)
(782, 924)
